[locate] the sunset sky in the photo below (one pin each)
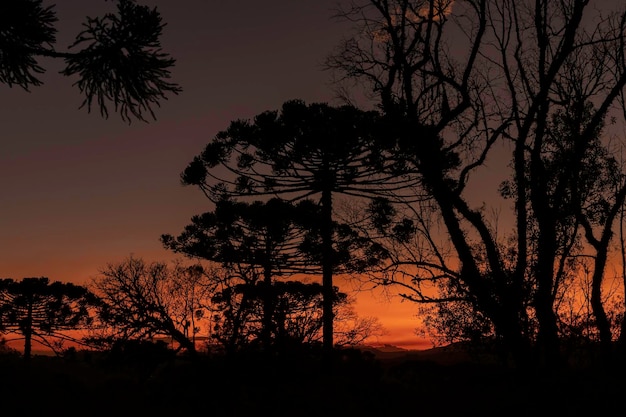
(79, 191)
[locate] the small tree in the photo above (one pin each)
(259, 237)
(141, 300)
(43, 311)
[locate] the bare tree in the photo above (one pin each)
(455, 79)
(140, 300)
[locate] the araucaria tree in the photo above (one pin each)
(461, 82)
(257, 242)
(43, 311)
(117, 58)
(260, 245)
(312, 151)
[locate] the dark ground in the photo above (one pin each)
(357, 383)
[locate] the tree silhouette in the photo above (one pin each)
(263, 236)
(456, 78)
(299, 152)
(270, 239)
(297, 319)
(598, 188)
(120, 62)
(140, 300)
(43, 311)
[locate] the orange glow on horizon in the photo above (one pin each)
(397, 317)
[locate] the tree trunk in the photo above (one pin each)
(327, 271)
(547, 212)
(182, 340)
(493, 296)
(268, 304)
(28, 332)
(548, 342)
(231, 346)
(601, 319)
(621, 341)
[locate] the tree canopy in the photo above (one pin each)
(270, 239)
(302, 151)
(44, 311)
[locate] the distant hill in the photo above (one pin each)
(386, 348)
(445, 355)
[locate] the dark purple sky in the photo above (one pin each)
(78, 191)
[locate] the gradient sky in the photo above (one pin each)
(78, 191)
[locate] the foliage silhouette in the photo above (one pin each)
(142, 301)
(260, 242)
(120, 62)
(299, 152)
(262, 236)
(43, 311)
(456, 80)
(296, 321)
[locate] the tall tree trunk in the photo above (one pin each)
(327, 270)
(495, 300)
(601, 319)
(268, 304)
(546, 210)
(513, 328)
(237, 317)
(548, 341)
(548, 337)
(602, 247)
(622, 337)
(493, 294)
(28, 332)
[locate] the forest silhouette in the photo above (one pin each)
(250, 320)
